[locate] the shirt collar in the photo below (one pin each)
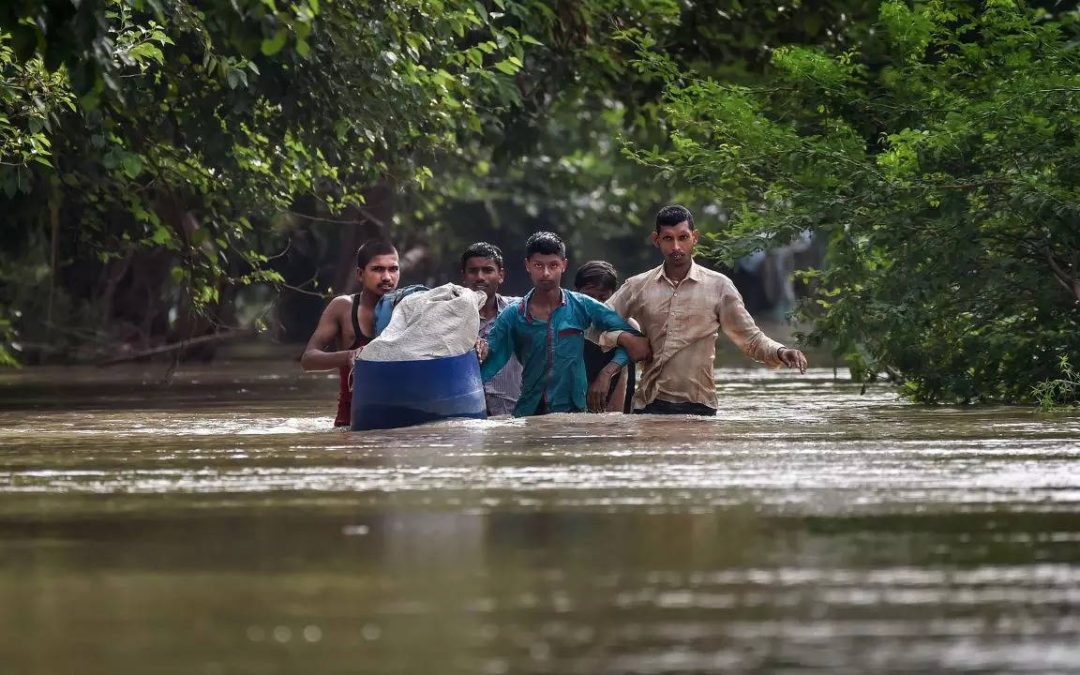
(694, 274)
(523, 310)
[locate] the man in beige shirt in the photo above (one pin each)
(680, 305)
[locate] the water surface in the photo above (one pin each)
(217, 525)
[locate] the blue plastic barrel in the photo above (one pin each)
(389, 394)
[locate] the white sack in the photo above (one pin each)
(430, 324)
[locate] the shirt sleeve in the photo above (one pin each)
(500, 344)
(620, 304)
(607, 319)
(740, 327)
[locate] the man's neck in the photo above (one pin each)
(369, 298)
(547, 298)
(677, 274)
(491, 307)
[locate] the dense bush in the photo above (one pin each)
(939, 154)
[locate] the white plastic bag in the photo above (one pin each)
(431, 324)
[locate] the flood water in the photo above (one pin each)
(216, 525)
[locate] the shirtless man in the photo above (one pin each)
(350, 322)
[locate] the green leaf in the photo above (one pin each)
(146, 50)
(111, 160)
(199, 236)
(162, 236)
(132, 164)
(508, 66)
(275, 44)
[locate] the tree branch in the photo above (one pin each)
(178, 346)
(1070, 283)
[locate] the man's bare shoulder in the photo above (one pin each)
(341, 304)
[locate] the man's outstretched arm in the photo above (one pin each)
(319, 353)
(741, 329)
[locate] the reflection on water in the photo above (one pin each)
(217, 525)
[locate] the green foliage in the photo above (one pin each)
(6, 334)
(938, 155)
(31, 103)
(554, 162)
(186, 141)
(187, 132)
(1062, 392)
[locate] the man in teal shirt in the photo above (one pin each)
(545, 330)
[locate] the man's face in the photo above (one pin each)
(545, 270)
(676, 243)
(380, 275)
(596, 292)
(483, 274)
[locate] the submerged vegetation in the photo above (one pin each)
(1062, 392)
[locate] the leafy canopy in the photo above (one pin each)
(938, 155)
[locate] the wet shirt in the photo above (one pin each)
(503, 390)
(553, 367)
(681, 321)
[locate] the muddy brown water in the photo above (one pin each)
(215, 525)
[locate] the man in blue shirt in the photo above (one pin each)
(545, 330)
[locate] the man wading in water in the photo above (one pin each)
(598, 280)
(350, 322)
(482, 270)
(680, 305)
(546, 331)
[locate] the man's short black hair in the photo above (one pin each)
(545, 243)
(599, 272)
(371, 248)
(482, 249)
(673, 215)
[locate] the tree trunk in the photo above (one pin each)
(373, 221)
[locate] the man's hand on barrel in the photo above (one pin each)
(481, 349)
